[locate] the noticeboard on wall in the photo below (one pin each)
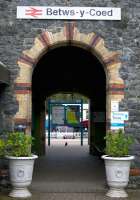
(58, 114)
(73, 114)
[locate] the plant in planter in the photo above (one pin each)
(21, 161)
(117, 162)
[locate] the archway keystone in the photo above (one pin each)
(69, 35)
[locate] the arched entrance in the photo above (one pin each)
(100, 67)
(79, 72)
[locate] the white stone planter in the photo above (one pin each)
(117, 173)
(21, 170)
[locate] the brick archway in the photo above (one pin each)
(68, 35)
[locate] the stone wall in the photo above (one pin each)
(17, 35)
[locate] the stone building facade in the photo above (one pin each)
(115, 43)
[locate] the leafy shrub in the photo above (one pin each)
(16, 144)
(2, 147)
(118, 143)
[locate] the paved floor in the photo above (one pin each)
(74, 196)
(69, 173)
(68, 169)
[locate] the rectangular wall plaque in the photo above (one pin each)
(83, 13)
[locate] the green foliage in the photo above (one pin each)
(16, 144)
(2, 147)
(69, 97)
(118, 143)
(115, 1)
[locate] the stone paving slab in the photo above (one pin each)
(133, 195)
(74, 187)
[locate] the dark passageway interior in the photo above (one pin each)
(74, 70)
(69, 69)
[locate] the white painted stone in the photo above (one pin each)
(117, 174)
(21, 170)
